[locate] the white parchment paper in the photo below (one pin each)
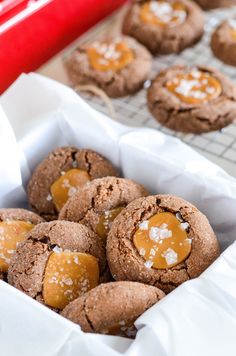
(198, 318)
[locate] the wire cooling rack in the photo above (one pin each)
(219, 146)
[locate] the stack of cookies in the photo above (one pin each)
(189, 98)
(97, 248)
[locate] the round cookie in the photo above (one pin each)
(212, 4)
(15, 224)
(160, 240)
(99, 202)
(165, 26)
(61, 174)
(112, 308)
(223, 42)
(58, 262)
(192, 99)
(119, 65)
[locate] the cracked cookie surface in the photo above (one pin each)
(127, 80)
(54, 166)
(99, 200)
(163, 38)
(112, 308)
(200, 117)
(28, 266)
(127, 263)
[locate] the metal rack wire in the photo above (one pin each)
(132, 110)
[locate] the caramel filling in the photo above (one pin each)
(67, 185)
(195, 87)
(162, 13)
(106, 220)
(68, 275)
(163, 241)
(105, 56)
(11, 233)
(123, 328)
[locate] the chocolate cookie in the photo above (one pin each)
(164, 26)
(15, 224)
(58, 262)
(212, 4)
(112, 308)
(160, 240)
(223, 42)
(119, 66)
(61, 174)
(192, 99)
(99, 202)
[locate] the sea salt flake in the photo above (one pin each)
(184, 226)
(57, 249)
(179, 216)
(142, 252)
(165, 233)
(152, 252)
(148, 264)
(189, 241)
(170, 256)
(154, 234)
(76, 260)
(143, 225)
(163, 226)
(72, 191)
(49, 197)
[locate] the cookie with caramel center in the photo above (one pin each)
(59, 262)
(192, 99)
(61, 174)
(160, 240)
(100, 202)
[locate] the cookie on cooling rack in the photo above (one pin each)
(164, 27)
(223, 42)
(62, 173)
(192, 99)
(160, 240)
(212, 4)
(112, 308)
(119, 65)
(59, 261)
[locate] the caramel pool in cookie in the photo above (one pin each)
(67, 185)
(195, 87)
(163, 13)
(15, 224)
(105, 221)
(67, 276)
(163, 241)
(11, 234)
(104, 56)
